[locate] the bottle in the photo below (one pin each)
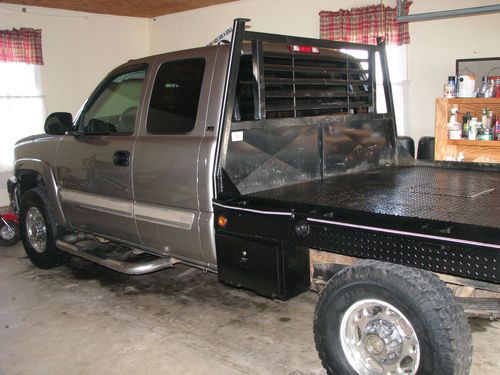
(472, 129)
(484, 87)
(450, 89)
(465, 125)
(497, 130)
(484, 116)
(490, 92)
(489, 120)
(487, 136)
(453, 116)
(480, 133)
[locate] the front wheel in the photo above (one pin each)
(39, 230)
(375, 318)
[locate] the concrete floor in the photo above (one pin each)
(84, 319)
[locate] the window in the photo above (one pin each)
(175, 97)
(397, 60)
(114, 109)
(397, 63)
(22, 109)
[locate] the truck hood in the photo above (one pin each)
(33, 137)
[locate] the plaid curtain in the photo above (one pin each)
(23, 45)
(364, 25)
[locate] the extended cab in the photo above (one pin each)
(239, 159)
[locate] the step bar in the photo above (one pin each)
(123, 266)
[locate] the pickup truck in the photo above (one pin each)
(271, 161)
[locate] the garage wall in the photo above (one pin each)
(198, 27)
(78, 49)
(435, 45)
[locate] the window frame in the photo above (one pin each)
(153, 82)
(100, 89)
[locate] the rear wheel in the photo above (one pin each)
(39, 230)
(376, 318)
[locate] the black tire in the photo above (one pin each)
(438, 321)
(43, 255)
(7, 238)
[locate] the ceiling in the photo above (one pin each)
(132, 8)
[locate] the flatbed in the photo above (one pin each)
(426, 193)
(440, 215)
(300, 178)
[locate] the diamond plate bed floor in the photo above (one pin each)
(451, 195)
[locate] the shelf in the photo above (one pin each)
(473, 151)
(465, 142)
(473, 101)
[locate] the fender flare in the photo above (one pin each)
(45, 171)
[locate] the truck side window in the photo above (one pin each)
(113, 109)
(175, 97)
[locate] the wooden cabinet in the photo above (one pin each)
(474, 151)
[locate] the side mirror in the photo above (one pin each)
(58, 123)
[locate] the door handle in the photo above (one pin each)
(121, 158)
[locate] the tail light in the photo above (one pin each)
(302, 48)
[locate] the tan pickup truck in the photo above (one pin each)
(239, 159)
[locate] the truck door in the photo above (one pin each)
(166, 158)
(94, 167)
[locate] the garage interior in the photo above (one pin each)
(83, 318)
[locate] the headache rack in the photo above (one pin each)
(276, 82)
(299, 109)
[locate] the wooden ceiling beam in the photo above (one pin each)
(130, 8)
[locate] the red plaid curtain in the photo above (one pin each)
(23, 45)
(364, 25)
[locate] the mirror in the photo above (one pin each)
(58, 123)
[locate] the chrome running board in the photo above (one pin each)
(116, 257)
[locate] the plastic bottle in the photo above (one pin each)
(484, 87)
(484, 117)
(490, 92)
(465, 125)
(489, 120)
(473, 129)
(450, 89)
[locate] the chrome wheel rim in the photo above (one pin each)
(36, 229)
(7, 232)
(377, 339)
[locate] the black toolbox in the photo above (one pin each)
(269, 268)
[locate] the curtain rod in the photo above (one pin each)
(444, 13)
